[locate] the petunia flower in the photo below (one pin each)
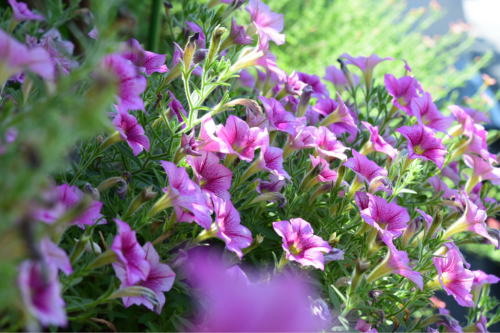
(364, 327)
(241, 140)
(41, 293)
(131, 132)
(366, 64)
(131, 256)
(274, 184)
(477, 116)
(55, 256)
(334, 112)
(304, 138)
(364, 168)
(427, 114)
(439, 185)
(279, 118)
(293, 85)
(130, 83)
(327, 144)
(300, 243)
(337, 77)
(208, 140)
(402, 90)
(465, 124)
(62, 64)
(160, 279)
(396, 262)
(145, 61)
(22, 13)
(481, 279)
(271, 160)
(377, 143)
(212, 177)
(200, 42)
(450, 324)
(455, 279)
(326, 175)
(481, 170)
(229, 228)
(66, 198)
(385, 216)
(451, 171)
(423, 144)
(314, 81)
(16, 58)
(263, 19)
(237, 36)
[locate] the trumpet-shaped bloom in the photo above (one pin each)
(54, 255)
(439, 185)
(402, 90)
(200, 42)
(385, 216)
(131, 256)
(337, 77)
(66, 198)
(465, 122)
(303, 139)
(455, 279)
(177, 108)
(208, 138)
(366, 64)
(482, 170)
(16, 58)
(160, 279)
(427, 218)
(131, 132)
(212, 177)
(189, 145)
(481, 278)
(279, 118)
(274, 184)
(130, 83)
(271, 160)
(241, 139)
(237, 35)
(378, 143)
(326, 174)
(58, 55)
(314, 81)
(270, 23)
(477, 116)
(300, 243)
(145, 61)
(428, 114)
(229, 228)
(327, 144)
(293, 84)
(41, 292)
(364, 168)
(334, 112)
(22, 13)
(423, 144)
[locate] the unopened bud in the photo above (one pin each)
(305, 98)
(380, 183)
(79, 247)
(374, 294)
(436, 223)
(216, 39)
(138, 291)
(343, 282)
(122, 181)
(494, 233)
(93, 193)
(167, 6)
(340, 176)
(311, 176)
(412, 229)
(334, 240)
(235, 4)
(100, 139)
(347, 74)
(146, 195)
(199, 55)
(91, 247)
(361, 267)
(189, 51)
(381, 318)
(271, 196)
(255, 243)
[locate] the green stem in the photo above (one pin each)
(154, 27)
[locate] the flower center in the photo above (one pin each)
(402, 101)
(203, 182)
(418, 150)
(294, 250)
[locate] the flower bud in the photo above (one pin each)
(374, 294)
(305, 98)
(436, 223)
(361, 267)
(93, 193)
(347, 74)
(146, 195)
(199, 55)
(412, 229)
(380, 181)
(216, 39)
(167, 6)
(311, 176)
(323, 189)
(189, 51)
(122, 181)
(255, 243)
(79, 247)
(334, 240)
(91, 247)
(495, 234)
(107, 257)
(138, 291)
(271, 196)
(343, 282)
(235, 4)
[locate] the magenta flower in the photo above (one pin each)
(366, 64)
(131, 132)
(270, 23)
(402, 90)
(68, 197)
(465, 122)
(481, 278)
(294, 85)
(209, 141)
(41, 293)
(377, 142)
(327, 144)
(364, 168)
(477, 116)
(364, 327)
(55, 256)
(274, 184)
(241, 140)
(303, 139)
(271, 160)
(59, 57)
(177, 109)
(22, 13)
(300, 243)
(200, 42)
(451, 324)
(481, 170)
(396, 262)
(16, 58)
(183, 194)
(94, 33)
(237, 36)
(212, 177)
(145, 61)
(189, 145)
(229, 228)
(132, 263)
(279, 118)
(427, 218)
(428, 114)
(423, 144)
(439, 185)
(385, 216)
(337, 77)
(130, 83)
(326, 174)
(160, 278)
(334, 112)
(238, 275)
(478, 144)
(455, 279)
(314, 81)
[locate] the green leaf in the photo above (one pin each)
(334, 299)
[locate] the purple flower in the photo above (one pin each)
(237, 36)
(303, 139)
(337, 77)
(132, 265)
(94, 33)
(428, 114)
(465, 122)
(177, 109)
(270, 23)
(327, 144)
(271, 160)
(59, 57)
(481, 278)
(209, 141)
(439, 185)
(275, 184)
(366, 64)
(145, 61)
(377, 142)
(41, 293)
(294, 85)
(16, 58)
(22, 13)
(212, 177)
(427, 218)
(131, 132)
(423, 144)
(477, 116)
(279, 118)
(229, 228)
(364, 327)
(451, 171)
(189, 145)
(300, 243)
(334, 112)
(241, 140)
(160, 278)
(200, 42)
(326, 175)
(68, 197)
(455, 279)
(385, 216)
(130, 83)
(55, 256)
(314, 81)
(481, 170)
(402, 90)
(363, 167)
